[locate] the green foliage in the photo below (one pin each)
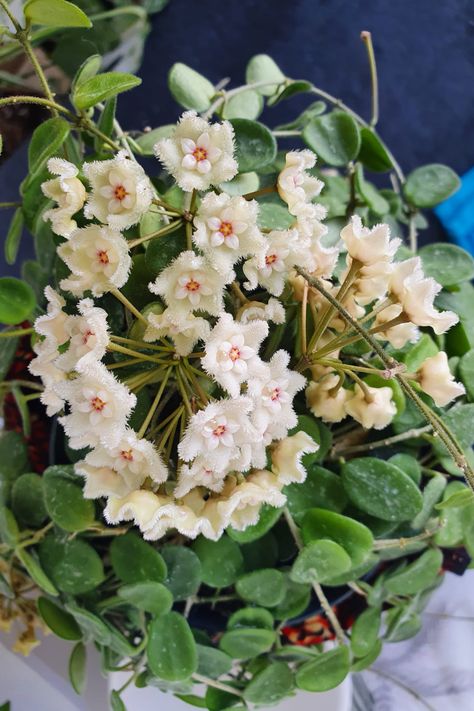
(221, 561)
(270, 685)
(45, 143)
(263, 587)
(12, 240)
(319, 561)
(251, 617)
(365, 631)
(148, 596)
(269, 515)
(171, 649)
(17, 300)
(416, 576)
(325, 672)
(262, 68)
(58, 620)
(321, 489)
(431, 184)
(246, 642)
(55, 13)
(373, 154)
(189, 88)
(77, 667)
(334, 138)
(13, 462)
(134, 561)
(255, 145)
(212, 662)
(73, 565)
(184, 572)
(447, 263)
(102, 87)
(64, 501)
(355, 538)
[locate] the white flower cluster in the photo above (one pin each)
(212, 471)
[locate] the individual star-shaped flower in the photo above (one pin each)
(68, 193)
(88, 337)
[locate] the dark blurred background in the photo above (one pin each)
(424, 51)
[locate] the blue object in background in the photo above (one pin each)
(456, 214)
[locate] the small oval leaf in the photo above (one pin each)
(171, 648)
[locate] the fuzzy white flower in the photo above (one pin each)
(240, 506)
(371, 407)
(416, 294)
(222, 433)
(69, 194)
(98, 258)
(273, 413)
(259, 311)
(436, 379)
(121, 469)
(44, 367)
(287, 457)
(190, 283)
(226, 229)
(399, 334)
(199, 154)
(88, 337)
(231, 352)
(121, 191)
(369, 246)
(295, 186)
(52, 325)
(185, 330)
(270, 268)
(99, 408)
(199, 473)
(326, 400)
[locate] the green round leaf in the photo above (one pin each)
(269, 515)
(147, 140)
(77, 667)
(407, 464)
(325, 672)
(354, 573)
(64, 500)
(262, 553)
(92, 625)
(9, 531)
(148, 596)
(55, 13)
(296, 601)
(321, 489)
(27, 500)
(263, 587)
(367, 661)
(73, 565)
(135, 561)
(274, 216)
(466, 371)
(45, 142)
(247, 104)
(102, 87)
(58, 620)
(381, 489)
(447, 263)
(402, 623)
(17, 300)
(319, 561)
(373, 153)
(184, 571)
(418, 575)
(370, 194)
(460, 420)
(431, 184)
(212, 662)
(424, 348)
(251, 617)
(189, 88)
(221, 561)
(13, 460)
(255, 145)
(432, 493)
(262, 68)
(270, 685)
(36, 572)
(171, 648)
(116, 703)
(247, 642)
(241, 185)
(365, 631)
(291, 89)
(334, 137)
(354, 537)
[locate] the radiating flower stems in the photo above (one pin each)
(182, 389)
(134, 354)
(304, 316)
(142, 344)
(324, 602)
(154, 405)
(366, 38)
(393, 367)
(128, 305)
(158, 233)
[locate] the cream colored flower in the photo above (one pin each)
(99, 408)
(369, 246)
(121, 191)
(199, 154)
(287, 457)
(44, 367)
(259, 311)
(69, 194)
(185, 330)
(190, 283)
(326, 400)
(199, 473)
(231, 352)
(119, 470)
(371, 283)
(88, 337)
(295, 186)
(98, 258)
(52, 325)
(270, 268)
(240, 506)
(398, 335)
(373, 408)
(226, 229)
(416, 294)
(436, 379)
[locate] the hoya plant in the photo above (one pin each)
(237, 396)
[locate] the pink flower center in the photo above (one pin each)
(219, 430)
(120, 193)
(275, 394)
(86, 335)
(234, 354)
(127, 455)
(103, 256)
(226, 229)
(200, 153)
(270, 259)
(97, 404)
(193, 285)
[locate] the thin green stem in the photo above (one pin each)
(366, 38)
(128, 305)
(216, 684)
(154, 404)
(134, 354)
(10, 15)
(142, 344)
(16, 332)
(158, 233)
(6, 205)
(182, 388)
(22, 37)
(385, 442)
(47, 103)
